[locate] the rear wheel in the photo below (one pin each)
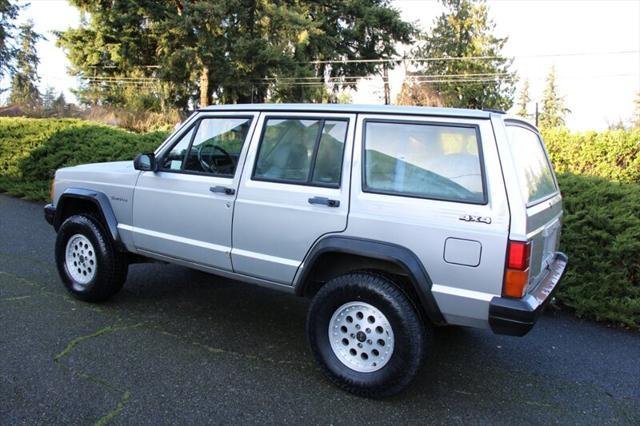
(89, 266)
(366, 334)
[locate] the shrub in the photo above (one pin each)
(136, 120)
(32, 149)
(601, 235)
(613, 154)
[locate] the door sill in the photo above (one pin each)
(220, 272)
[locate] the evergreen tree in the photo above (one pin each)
(616, 125)
(553, 107)
(484, 80)
(60, 106)
(48, 97)
(8, 13)
(24, 91)
(523, 100)
(228, 51)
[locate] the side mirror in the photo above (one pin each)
(145, 162)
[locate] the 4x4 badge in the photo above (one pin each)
(470, 218)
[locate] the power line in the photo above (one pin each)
(470, 58)
(121, 78)
(319, 81)
(429, 59)
(337, 78)
(312, 80)
(306, 84)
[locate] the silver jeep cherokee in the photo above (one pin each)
(393, 220)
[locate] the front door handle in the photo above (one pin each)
(222, 190)
(324, 201)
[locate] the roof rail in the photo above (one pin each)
(497, 111)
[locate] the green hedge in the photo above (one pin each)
(613, 154)
(601, 235)
(601, 231)
(32, 149)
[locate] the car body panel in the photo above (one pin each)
(115, 179)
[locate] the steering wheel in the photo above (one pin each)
(210, 166)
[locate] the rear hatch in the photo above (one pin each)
(540, 191)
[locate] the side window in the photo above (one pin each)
(174, 159)
(213, 146)
(423, 160)
(534, 170)
(328, 164)
(301, 151)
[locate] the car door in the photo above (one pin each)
(540, 196)
(294, 190)
(184, 210)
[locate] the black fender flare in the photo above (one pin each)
(103, 205)
(399, 255)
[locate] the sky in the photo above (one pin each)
(583, 39)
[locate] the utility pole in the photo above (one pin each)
(537, 114)
(385, 76)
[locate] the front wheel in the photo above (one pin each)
(366, 334)
(89, 266)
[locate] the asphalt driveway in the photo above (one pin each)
(181, 347)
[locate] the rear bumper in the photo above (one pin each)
(515, 317)
(49, 213)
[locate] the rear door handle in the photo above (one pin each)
(222, 190)
(324, 201)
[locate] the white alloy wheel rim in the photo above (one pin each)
(80, 259)
(361, 337)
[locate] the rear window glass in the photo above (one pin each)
(534, 171)
(424, 160)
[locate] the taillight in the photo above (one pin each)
(516, 275)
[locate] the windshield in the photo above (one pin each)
(534, 170)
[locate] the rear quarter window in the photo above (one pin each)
(435, 161)
(535, 175)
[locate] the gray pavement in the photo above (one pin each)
(181, 347)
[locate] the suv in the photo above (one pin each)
(392, 220)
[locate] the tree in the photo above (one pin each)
(8, 13)
(472, 71)
(343, 98)
(553, 107)
(618, 124)
(523, 100)
(24, 91)
(48, 97)
(60, 106)
(416, 93)
(232, 51)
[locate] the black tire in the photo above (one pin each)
(111, 265)
(411, 334)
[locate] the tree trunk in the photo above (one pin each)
(204, 87)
